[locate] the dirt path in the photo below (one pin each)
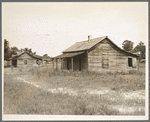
(67, 90)
(139, 95)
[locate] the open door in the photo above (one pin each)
(14, 63)
(130, 62)
(80, 64)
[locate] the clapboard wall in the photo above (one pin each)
(105, 56)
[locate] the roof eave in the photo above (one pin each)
(85, 49)
(122, 49)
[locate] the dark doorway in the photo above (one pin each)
(68, 63)
(130, 62)
(80, 64)
(14, 63)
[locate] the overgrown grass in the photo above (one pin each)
(22, 98)
(134, 80)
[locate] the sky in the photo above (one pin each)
(49, 28)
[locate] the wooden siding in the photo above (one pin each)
(7, 63)
(105, 55)
(25, 57)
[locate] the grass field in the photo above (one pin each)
(41, 91)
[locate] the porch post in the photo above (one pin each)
(53, 64)
(87, 60)
(56, 64)
(72, 63)
(62, 64)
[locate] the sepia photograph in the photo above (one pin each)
(61, 60)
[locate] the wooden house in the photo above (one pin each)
(25, 59)
(7, 63)
(46, 59)
(99, 55)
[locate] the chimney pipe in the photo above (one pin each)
(89, 37)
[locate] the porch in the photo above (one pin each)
(70, 61)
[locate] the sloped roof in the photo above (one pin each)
(66, 55)
(48, 58)
(19, 52)
(84, 45)
(34, 56)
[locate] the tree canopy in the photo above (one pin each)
(14, 50)
(127, 45)
(45, 55)
(140, 48)
(7, 51)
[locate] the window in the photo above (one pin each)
(25, 61)
(105, 62)
(130, 62)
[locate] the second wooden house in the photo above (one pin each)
(24, 59)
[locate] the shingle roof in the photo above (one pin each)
(84, 45)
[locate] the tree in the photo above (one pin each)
(45, 55)
(141, 43)
(14, 49)
(7, 51)
(27, 50)
(127, 45)
(34, 53)
(140, 47)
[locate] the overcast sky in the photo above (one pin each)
(50, 28)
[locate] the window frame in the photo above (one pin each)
(25, 62)
(105, 66)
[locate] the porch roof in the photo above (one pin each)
(67, 55)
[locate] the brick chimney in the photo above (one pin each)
(89, 37)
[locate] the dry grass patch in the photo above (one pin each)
(22, 98)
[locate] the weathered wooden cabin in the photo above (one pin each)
(7, 63)
(99, 55)
(25, 59)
